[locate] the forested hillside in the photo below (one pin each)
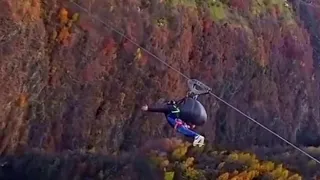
(70, 85)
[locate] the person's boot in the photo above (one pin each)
(198, 140)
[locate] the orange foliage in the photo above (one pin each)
(28, 10)
(23, 100)
(35, 10)
(63, 16)
(64, 35)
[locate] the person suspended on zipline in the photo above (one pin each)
(185, 114)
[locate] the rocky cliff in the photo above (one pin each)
(68, 82)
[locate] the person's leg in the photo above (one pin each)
(187, 132)
(197, 138)
(171, 120)
(180, 128)
(174, 122)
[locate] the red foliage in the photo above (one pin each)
(128, 46)
(130, 33)
(207, 25)
(6, 8)
(216, 54)
(109, 45)
(278, 11)
(240, 4)
(85, 23)
(54, 79)
(274, 11)
(92, 71)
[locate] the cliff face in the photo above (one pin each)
(70, 83)
(310, 16)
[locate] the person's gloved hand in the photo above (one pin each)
(144, 108)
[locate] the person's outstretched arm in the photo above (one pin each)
(161, 108)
